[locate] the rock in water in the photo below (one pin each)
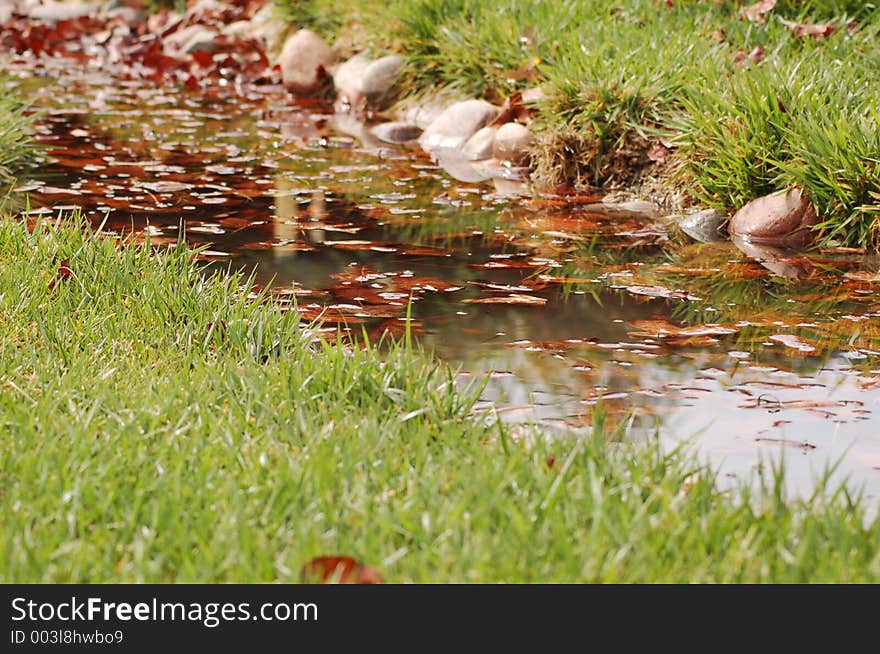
(194, 38)
(396, 132)
(782, 218)
(456, 124)
(481, 144)
(379, 77)
(304, 60)
(348, 81)
(704, 226)
(776, 260)
(361, 83)
(53, 12)
(264, 25)
(512, 143)
(422, 114)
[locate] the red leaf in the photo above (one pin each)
(203, 58)
(339, 570)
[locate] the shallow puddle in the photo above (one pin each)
(565, 302)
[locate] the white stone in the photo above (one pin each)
(481, 144)
(512, 143)
(348, 82)
(190, 39)
(52, 12)
(396, 132)
(303, 59)
(379, 77)
(452, 128)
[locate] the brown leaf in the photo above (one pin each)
(754, 56)
(658, 153)
(339, 570)
(771, 403)
(663, 329)
(758, 11)
(863, 276)
(793, 342)
(513, 298)
(64, 271)
(816, 30)
(787, 443)
(512, 110)
(661, 291)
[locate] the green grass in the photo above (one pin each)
(158, 426)
(15, 144)
(621, 76)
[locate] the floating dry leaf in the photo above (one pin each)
(165, 186)
(803, 445)
(863, 276)
(793, 342)
(513, 298)
(661, 291)
(663, 329)
(769, 402)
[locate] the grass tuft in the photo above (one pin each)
(16, 147)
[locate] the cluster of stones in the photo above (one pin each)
(464, 136)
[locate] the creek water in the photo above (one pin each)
(564, 302)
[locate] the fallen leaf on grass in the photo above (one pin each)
(754, 56)
(658, 153)
(757, 12)
(816, 30)
(339, 570)
(514, 298)
(64, 271)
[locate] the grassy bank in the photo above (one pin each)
(15, 143)
(159, 426)
(744, 105)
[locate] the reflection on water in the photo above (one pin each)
(566, 303)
